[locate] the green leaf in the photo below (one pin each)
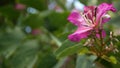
(84, 61)
(33, 20)
(38, 4)
(66, 62)
(63, 36)
(48, 59)
(10, 40)
(55, 21)
(58, 43)
(61, 3)
(25, 55)
(60, 63)
(68, 48)
(9, 12)
(111, 59)
(107, 1)
(84, 1)
(83, 51)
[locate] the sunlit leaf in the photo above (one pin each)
(111, 59)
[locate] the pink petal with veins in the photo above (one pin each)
(80, 33)
(103, 9)
(75, 18)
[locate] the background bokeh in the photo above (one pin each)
(32, 30)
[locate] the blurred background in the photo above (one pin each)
(32, 30)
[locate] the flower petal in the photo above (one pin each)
(79, 34)
(105, 18)
(103, 9)
(76, 18)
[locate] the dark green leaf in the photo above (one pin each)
(49, 59)
(33, 20)
(84, 1)
(38, 4)
(55, 21)
(9, 12)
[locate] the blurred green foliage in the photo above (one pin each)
(33, 34)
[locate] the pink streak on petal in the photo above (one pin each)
(75, 18)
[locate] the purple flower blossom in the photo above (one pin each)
(91, 20)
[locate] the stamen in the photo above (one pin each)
(88, 24)
(92, 20)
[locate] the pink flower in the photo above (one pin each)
(91, 20)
